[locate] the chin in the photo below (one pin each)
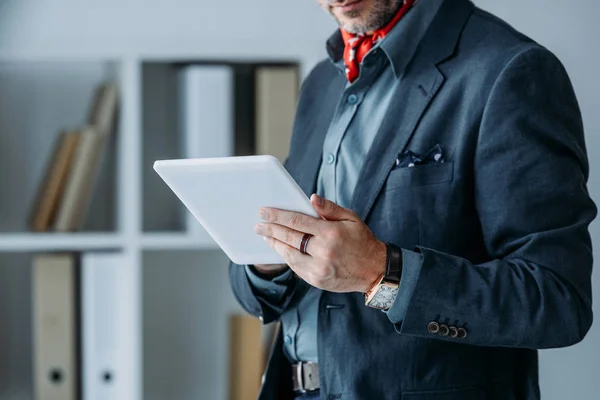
(351, 24)
(356, 27)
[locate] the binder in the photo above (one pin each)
(103, 112)
(54, 181)
(83, 173)
(246, 358)
(276, 98)
(89, 157)
(101, 295)
(55, 345)
(206, 117)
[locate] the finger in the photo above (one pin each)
(301, 264)
(332, 211)
(289, 236)
(293, 220)
(291, 255)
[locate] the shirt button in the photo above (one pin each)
(330, 158)
(288, 339)
(352, 99)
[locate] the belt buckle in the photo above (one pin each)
(298, 379)
(304, 378)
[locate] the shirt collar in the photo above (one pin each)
(400, 43)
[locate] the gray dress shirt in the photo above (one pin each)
(352, 130)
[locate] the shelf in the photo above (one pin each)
(30, 242)
(34, 242)
(177, 241)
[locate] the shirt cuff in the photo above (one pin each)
(272, 289)
(411, 267)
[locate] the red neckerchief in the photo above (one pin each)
(358, 45)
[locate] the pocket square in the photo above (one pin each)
(409, 159)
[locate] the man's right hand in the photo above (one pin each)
(271, 270)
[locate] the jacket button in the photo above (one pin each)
(453, 332)
(433, 327)
(443, 330)
(462, 333)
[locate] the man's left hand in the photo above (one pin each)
(343, 254)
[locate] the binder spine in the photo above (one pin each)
(101, 296)
(206, 117)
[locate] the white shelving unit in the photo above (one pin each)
(40, 97)
(172, 275)
(179, 290)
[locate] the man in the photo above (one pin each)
(448, 155)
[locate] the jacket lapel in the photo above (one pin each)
(400, 121)
(420, 82)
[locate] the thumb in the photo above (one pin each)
(331, 211)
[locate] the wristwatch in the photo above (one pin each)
(382, 295)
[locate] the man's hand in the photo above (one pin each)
(343, 256)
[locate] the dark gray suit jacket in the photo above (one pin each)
(502, 225)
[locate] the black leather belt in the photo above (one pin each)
(305, 377)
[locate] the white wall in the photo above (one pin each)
(274, 28)
(163, 27)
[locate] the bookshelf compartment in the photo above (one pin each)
(161, 140)
(38, 102)
(187, 305)
(195, 109)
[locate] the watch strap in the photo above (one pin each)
(393, 270)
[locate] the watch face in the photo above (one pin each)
(384, 298)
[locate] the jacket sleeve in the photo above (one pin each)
(263, 298)
(530, 177)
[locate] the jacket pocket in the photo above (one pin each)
(420, 175)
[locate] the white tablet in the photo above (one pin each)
(225, 194)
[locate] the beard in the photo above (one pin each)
(379, 14)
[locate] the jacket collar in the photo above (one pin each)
(400, 43)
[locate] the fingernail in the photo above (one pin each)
(259, 228)
(318, 200)
(263, 214)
